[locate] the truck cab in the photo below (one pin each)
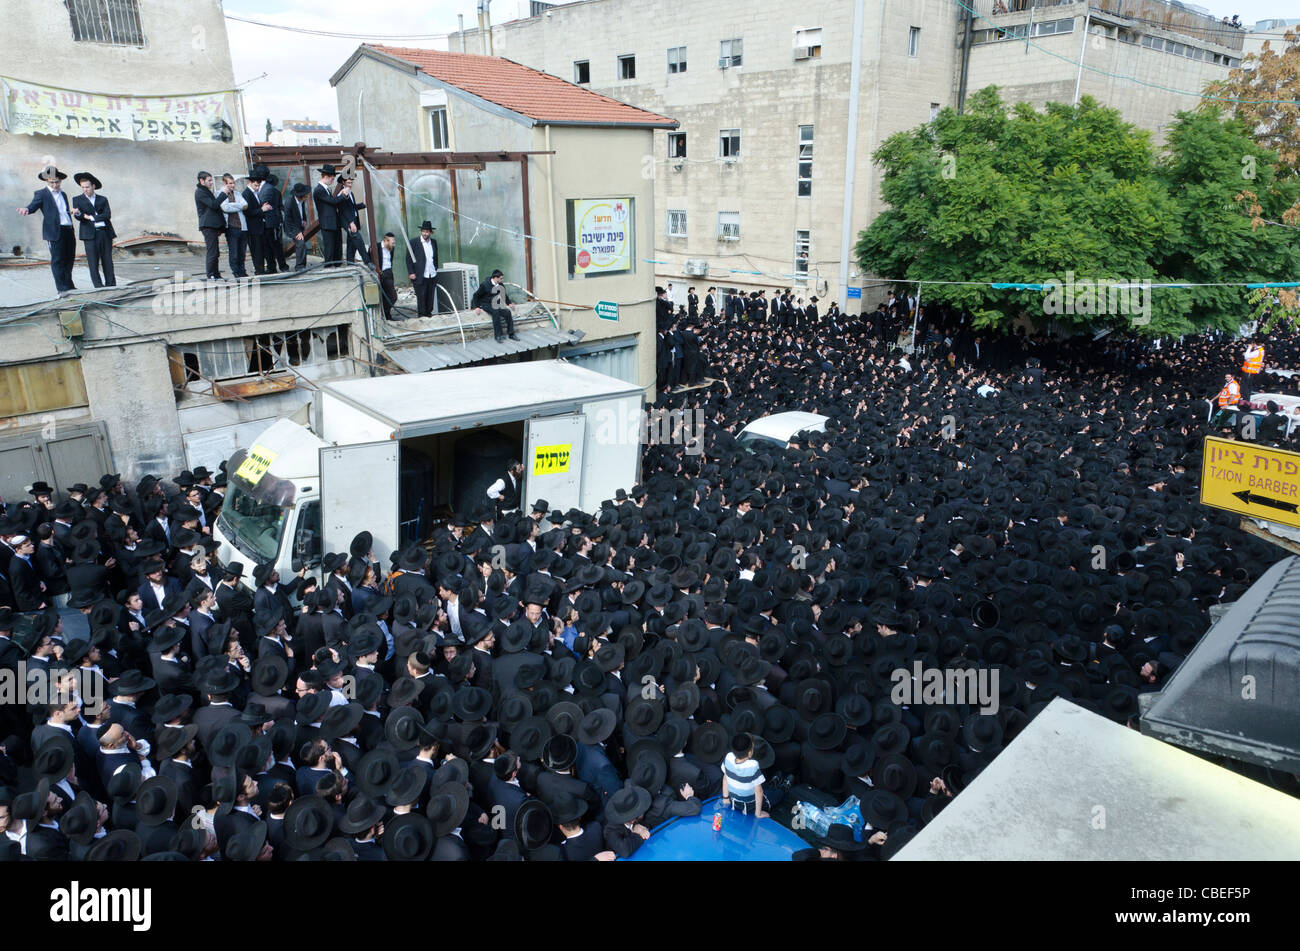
(272, 510)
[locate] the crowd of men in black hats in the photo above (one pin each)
(555, 685)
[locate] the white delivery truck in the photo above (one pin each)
(392, 455)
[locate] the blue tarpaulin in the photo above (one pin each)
(742, 838)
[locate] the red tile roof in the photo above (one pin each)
(529, 92)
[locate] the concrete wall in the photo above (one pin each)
(771, 95)
(595, 163)
(387, 117)
(589, 163)
(126, 369)
(150, 185)
(767, 98)
(1037, 76)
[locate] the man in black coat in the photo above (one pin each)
(56, 226)
(387, 285)
(491, 298)
(212, 221)
(422, 269)
(328, 214)
(296, 224)
(268, 200)
(253, 216)
(350, 219)
(95, 229)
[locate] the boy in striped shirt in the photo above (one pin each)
(742, 778)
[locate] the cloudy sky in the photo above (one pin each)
(298, 65)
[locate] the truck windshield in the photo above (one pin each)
(251, 526)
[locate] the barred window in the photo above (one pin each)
(116, 22)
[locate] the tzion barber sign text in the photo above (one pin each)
(1251, 480)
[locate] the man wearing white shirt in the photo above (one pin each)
(386, 283)
(96, 230)
(56, 226)
(422, 268)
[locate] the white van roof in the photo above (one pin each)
(294, 447)
(476, 391)
(784, 425)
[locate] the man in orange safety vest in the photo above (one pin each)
(1227, 399)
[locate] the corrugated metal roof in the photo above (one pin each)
(1238, 692)
(439, 356)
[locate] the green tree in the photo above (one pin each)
(1212, 165)
(268, 130)
(1074, 197)
(1067, 194)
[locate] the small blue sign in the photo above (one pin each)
(607, 310)
(855, 293)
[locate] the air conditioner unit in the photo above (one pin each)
(724, 62)
(801, 52)
(457, 281)
(697, 267)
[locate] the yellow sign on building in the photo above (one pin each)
(1251, 480)
(548, 460)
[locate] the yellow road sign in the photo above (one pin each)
(1251, 480)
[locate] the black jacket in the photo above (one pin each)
(327, 207)
(209, 209)
(483, 296)
(100, 211)
(294, 221)
(415, 262)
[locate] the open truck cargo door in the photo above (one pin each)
(359, 493)
(553, 454)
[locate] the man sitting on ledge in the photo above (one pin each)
(491, 297)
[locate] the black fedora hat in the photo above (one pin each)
(564, 717)
(362, 813)
(120, 845)
(308, 823)
(827, 731)
(471, 703)
(448, 804)
(156, 800)
(247, 845)
(80, 821)
(896, 773)
(710, 742)
(533, 824)
(597, 726)
(530, 737)
(227, 743)
(54, 757)
(408, 838)
(628, 804)
(376, 772)
(408, 786)
(882, 809)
